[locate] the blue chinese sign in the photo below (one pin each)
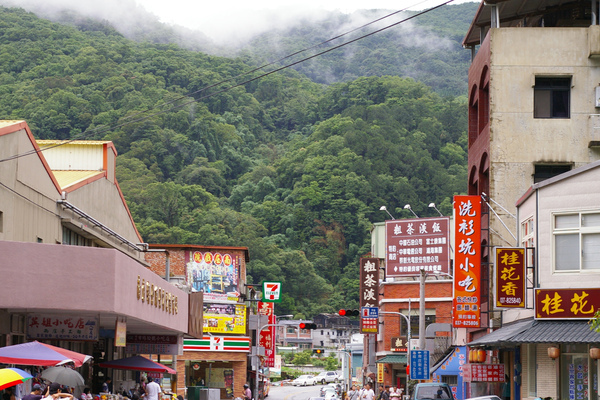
(370, 312)
(419, 364)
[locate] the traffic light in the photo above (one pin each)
(318, 351)
(349, 313)
(304, 325)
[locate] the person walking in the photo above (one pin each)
(367, 393)
(152, 390)
(247, 392)
(36, 393)
(383, 394)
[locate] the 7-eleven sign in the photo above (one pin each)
(272, 292)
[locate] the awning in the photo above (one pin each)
(393, 359)
(536, 331)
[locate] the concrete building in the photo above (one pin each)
(71, 259)
(533, 130)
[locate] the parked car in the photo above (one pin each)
(327, 388)
(331, 395)
(328, 377)
(488, 397)
(304, 380)
(432, 391)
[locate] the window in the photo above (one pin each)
(551, 98)
(544, 171)
(451, 380)
(73, 238)
(576, 241)
(414, 321)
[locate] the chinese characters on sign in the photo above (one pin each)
(566, 303)
(510, 277)
(416, 244)
(369, 282)
(152, 344)
(419, 364)
(224, 318)
(267, 335)
(578, 380)
(369, 319)
(467, 262)
(399, 343)
(272, 292)
(62, 327)
(214, 274)
(483, 372)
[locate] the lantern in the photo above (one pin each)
(553, 352)
(594, 353)
(481, 356)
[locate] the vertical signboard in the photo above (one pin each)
(419, 364)
(419, 244)
(510, 277)
(466, 312)
(369, 320)
(267, 335)
(369, 282)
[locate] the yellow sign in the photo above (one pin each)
(224, 318)
(380, 367)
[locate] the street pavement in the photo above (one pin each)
(293, 392)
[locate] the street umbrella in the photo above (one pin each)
(12, 376)
(42, 354)
(138, 363)
(64, 376)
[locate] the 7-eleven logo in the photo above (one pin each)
(272, 291)
(216, 343)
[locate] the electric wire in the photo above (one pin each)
(128, 120)
(28, 199)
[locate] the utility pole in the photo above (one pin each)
(422, 310)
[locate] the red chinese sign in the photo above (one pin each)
(369, 282)
(566, 303)
(466, 312)
(483, 373)
(510, 277)
(267, 335)
(416, 244)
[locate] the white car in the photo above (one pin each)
(304, 380)
(328, 377)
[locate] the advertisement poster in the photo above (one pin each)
(215, 274)
(419, 244)
(224, 318)
(466, 312)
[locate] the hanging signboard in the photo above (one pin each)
(62, 327)
(224, 318)
(369, 282)
(418, 244)
(566, 303)
(419, 364)
(483, 372)
(267, 335)
(213, 273)
(510, 277)
(272, 292)
(466, 303)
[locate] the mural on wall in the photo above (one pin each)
(213, 273)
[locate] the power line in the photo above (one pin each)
(128, 120)
(29, 200)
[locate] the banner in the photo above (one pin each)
(213, 273)
(416, 244)
(466, 312)
(267, 335)
(510, 277)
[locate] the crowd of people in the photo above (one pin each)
(367, 393)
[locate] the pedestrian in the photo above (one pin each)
(383, 394)
(106, 385)
(247, 395)
(54, 392)
(152, 390)
(9, 394)
(367, 393)
(36, 393)
(353, 393)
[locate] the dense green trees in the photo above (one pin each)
(292, 169)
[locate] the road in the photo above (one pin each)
(293, 392)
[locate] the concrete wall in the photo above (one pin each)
(517, 140)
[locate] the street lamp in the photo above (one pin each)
(384, 208)
(432, 205)
(407, 207)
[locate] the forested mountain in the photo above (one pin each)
(292, 168)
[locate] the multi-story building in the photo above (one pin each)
(71, 259)
(534, 137)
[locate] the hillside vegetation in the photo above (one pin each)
(294, 169)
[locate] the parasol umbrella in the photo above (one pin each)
(137, 363)
(12, 376)
(64, 376)
(42, 354)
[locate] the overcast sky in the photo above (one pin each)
(221, 18)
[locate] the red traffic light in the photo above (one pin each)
(349, 313)
(342, 313)
(318, 351)
(304, 325)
